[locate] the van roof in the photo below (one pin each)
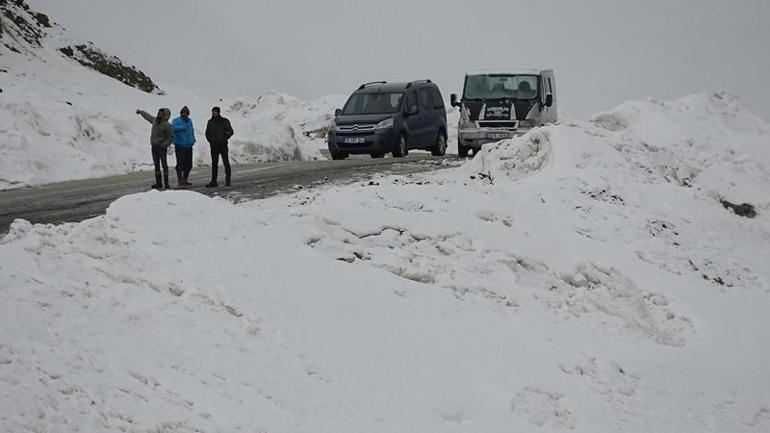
(513, 71)
(382, 86)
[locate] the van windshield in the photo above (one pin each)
(373, 103)
(484, 87)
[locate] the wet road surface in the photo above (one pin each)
(81, 199)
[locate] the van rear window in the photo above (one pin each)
(438, 103)
(426, 99)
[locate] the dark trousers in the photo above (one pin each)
(160, 160)
(216, 152)
(184, 162)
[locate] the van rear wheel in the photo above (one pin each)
(440, 148)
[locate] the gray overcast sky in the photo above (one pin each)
(603, 51)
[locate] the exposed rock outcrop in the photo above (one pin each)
(24, 31)
(92, 57)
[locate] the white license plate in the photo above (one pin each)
(355, 140)
(497, 135)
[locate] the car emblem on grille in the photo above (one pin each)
(356, 128)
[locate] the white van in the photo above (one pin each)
(501, 104)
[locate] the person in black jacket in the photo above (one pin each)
(218, 131)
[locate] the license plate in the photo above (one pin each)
(355, 140)
(498, 135)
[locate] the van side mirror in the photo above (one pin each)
(453, 100)
(338, 112)
(549, 99)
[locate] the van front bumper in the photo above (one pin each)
(478, 136)
(378, 141)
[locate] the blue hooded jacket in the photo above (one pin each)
(184, 132)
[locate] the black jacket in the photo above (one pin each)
(218, 131)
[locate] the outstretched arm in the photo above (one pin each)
(146, 115)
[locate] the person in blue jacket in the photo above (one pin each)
(184, 140)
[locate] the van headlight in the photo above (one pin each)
(529, 123)
(467, 125)
(385, 124)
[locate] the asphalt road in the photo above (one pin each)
(78, 200)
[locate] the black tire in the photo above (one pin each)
(339, 156)
(377, 155)
(440, 148)
(402, 147)
(462, 151)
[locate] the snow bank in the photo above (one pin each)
(612, 229)
(277, 127)
(176, 312)
(512, 160)
(584, 277)
(708, 142)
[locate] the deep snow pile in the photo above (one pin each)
(60, 120)
(584, 277)
(275, 127)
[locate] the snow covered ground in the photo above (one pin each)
(584, 277)
(61, 121)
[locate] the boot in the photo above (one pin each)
(227, 182)
(165, 180)
(179, 179)
(157, 184)
(212, 184)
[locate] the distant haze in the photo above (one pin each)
(603, 51)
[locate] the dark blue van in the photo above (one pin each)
(383, 117)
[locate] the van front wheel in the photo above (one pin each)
(401, 149)
(462, 151)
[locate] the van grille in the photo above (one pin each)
(354, 128)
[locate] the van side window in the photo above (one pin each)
(411, 100)
(438, 103)
(425, 98)
(550, 86)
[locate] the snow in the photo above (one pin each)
(583, 277)
(270, 121)
(60, 121)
